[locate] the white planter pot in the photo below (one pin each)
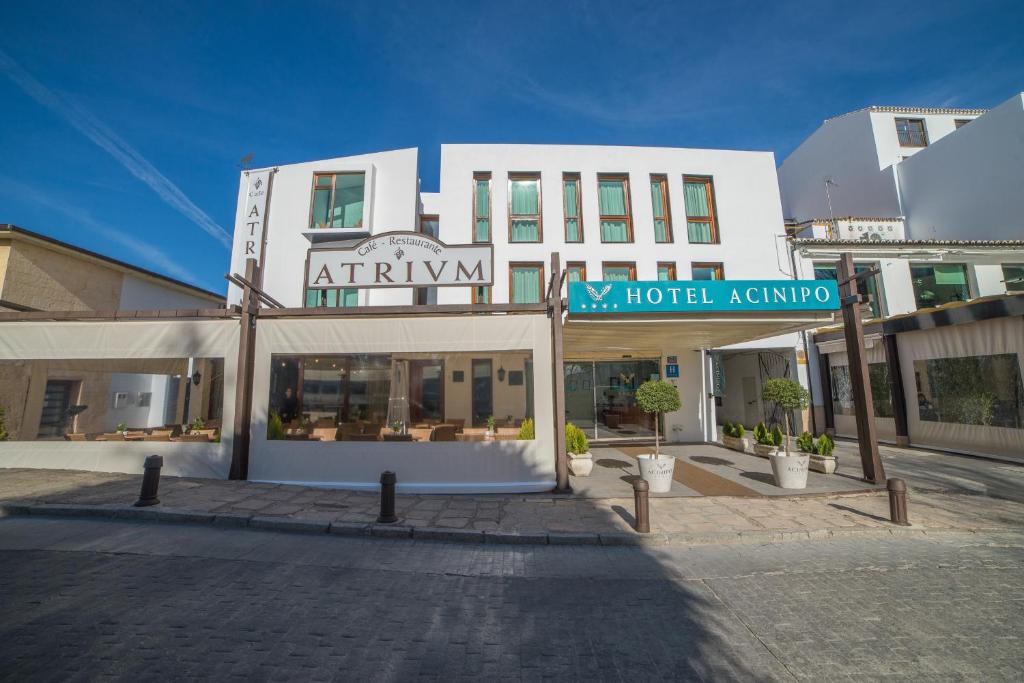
(790, 471)
(823, 464)
(581, 464)
(765, 451)
(657, 472)
(735, 443)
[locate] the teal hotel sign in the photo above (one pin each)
(701, 296)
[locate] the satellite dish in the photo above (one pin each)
(246, 160)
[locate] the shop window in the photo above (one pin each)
(526, 283)
(975, 390)
(408, 397)
(659, 204)
(571, 207)
(870, 286)
(338, 200)
(706, 271)
(613, 201)
(1013, 277)
(911, 132)
(424, 296)
(524, 202)
(576, 271)
(699, 199)
(135, 400)
(332, 298)
(666, 271)
(481, 207)
(939, 283)
(618, 272)
(881, 390)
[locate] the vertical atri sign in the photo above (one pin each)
(254, 218)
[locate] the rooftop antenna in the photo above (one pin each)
(245, 161)
(828, 198)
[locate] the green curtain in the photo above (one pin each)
(572, 211)
(612, 197)
(483, 212)
(658, 202)
(660, 230)
(525, 200)
(663, 273)
(614, 231)
(349, 298)
(575, 275)
(525, 230)
(698, 232)
(312, 298)
(950, 274)
(696, 199)
(321, 209)
(525, 285)
(572, 230)
(483, 230)
(616, 274)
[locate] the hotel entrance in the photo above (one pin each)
(600, 397)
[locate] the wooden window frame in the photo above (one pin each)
(478, 176)
(582, 265)
(631, 265)
(662, 179)
(712, 220)
(924, 131)
(521, 175)
(490, 294)
(671, 265)
(576, 178)
(526, 264)
(624, 177)
(717, 266)
(312, 197)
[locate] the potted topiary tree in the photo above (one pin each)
(657, 397)
(732, 436)
(790, 470)
(581, 463)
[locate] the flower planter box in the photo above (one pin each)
(581, 464)
(657, 472)
(735, 443)
(765, 451)
(790, 470)
(826, 464)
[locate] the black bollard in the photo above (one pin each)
(387, 498)
(642, 504)
(150, 481)
(897, 501)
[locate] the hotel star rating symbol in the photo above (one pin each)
(598, 296)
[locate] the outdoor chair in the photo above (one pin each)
(326, 433)
(420, 433)
(444, 432)
(459, 423)
(75, 436)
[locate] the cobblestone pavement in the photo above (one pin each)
(518, 513)
(87, 599)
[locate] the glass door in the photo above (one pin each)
(483, 391)
(579, 395)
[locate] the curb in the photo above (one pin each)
(387, 531)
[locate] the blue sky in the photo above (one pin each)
(122, 124)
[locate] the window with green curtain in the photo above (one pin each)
(828, 271)
(313, 298)
(659, 203)
(482, 209)
(616, 273)
(571, 193)
(938, 284)
(526, 285)
(348, 298)
(347, 209)
(1013, 277)
(707, 271)
(575, 273)
(664, 272)
(613, 205)
(524, 209)
(700, 223)
(481, 295)
(332, 298)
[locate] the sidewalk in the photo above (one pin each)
(534, 518)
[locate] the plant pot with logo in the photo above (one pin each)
(790, 470)
(581, 462)
(733, 437)
(657, 397)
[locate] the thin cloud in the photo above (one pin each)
(152, 255)
(113, 144)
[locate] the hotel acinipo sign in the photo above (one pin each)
(690, 296)
(401, 259)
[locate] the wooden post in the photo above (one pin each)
(899, 396)
(243, 383)
(859, 378)
(558, 375)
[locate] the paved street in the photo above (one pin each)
(88, 599)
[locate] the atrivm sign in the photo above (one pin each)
(695, 296)
(401, 259)
(254, 219)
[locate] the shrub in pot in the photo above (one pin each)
(657, 397)
(527, 430)
(764, 442)
(732, 436)
(581, 463)
(821, 458)
(790, 470)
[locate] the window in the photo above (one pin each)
(524, 223)
(576, 271)
(423, 296)
(828, 271)
(481, 207)
(960, 123)
(572, 205)
(1013, 277)
(429, 226)
(481, 295)
(706, 271)
(975, 390)
(881, 390)
(332, 298)
(911, 132)
(618, 271)
(526, 283)
(699, 198)
(659, 202)
(938, 284)
(666, 271)
(613, 200)
(337, 200)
